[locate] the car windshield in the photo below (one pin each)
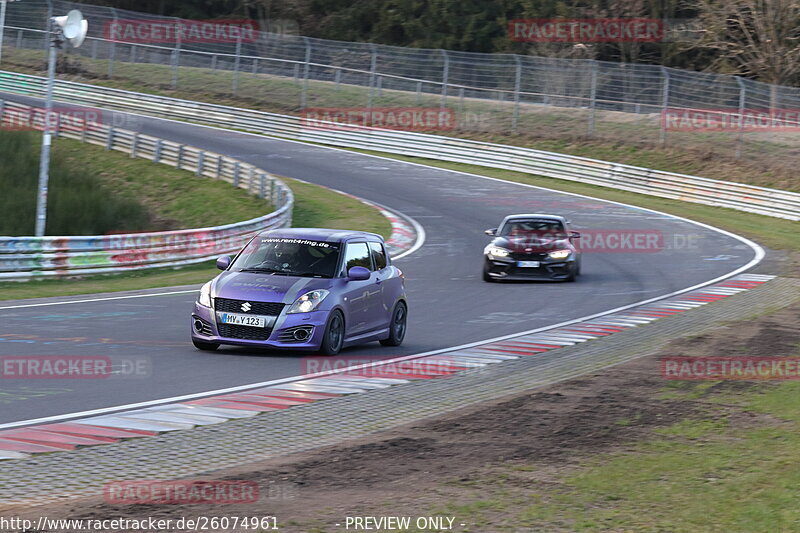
(542, 228)
(289, 257)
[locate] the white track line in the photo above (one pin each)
(100, 299)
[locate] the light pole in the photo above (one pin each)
(72, 28)
(3, 5)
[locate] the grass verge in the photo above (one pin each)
(314, 207)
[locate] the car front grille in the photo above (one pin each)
(523, 256)
(249, 333)
(256, 308)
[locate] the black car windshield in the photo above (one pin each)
(533, 227)
(289, 257)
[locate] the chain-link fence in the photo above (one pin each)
(485, 93)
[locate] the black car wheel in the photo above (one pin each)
(333, 339)
(397, 328)
(486, 276)
(205, 346)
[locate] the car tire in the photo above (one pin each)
(397, 327)
(333, 338)
(205, 346)
(573, 275)
(486, 276)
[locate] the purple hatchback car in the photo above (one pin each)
(303, 289)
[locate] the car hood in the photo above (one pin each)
(532, 244)
(265, 287)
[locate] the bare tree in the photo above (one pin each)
(757, 38)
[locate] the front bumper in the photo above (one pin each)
(547, 269)
(204, 328)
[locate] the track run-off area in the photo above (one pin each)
(147, 336)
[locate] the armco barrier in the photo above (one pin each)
(760, 200)
(26, 257)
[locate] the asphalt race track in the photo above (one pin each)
(449, 303)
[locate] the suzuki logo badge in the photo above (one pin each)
(246, 307)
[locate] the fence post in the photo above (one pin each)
(176, 56)
(236, 63)
(664, 105)
(742, 101)
(372, 68)
(517, 84)
(113, 50)
(592, 99)
(306, 67)
(445, 77)
(47, 26)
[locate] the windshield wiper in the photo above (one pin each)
(267, 270)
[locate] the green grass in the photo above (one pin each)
(620, 137)
(314, 206)
(79, 201)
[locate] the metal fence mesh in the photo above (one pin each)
(488, 93)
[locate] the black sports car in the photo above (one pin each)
(533, 246)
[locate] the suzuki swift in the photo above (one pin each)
(303, 289)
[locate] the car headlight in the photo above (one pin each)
(309, 301)
(559, 254)
(205, 295)
(496, 251)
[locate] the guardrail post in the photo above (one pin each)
(132, 54)
(262, 185)
(109, 139)
(517, 83)
(57, 129)
(252, 180)
(236, 63)
(592, 98)
(176, 57)
(306, 67)
(113, 51)
(94, 48)
(337, 77)
(134, 144)
(445, 77)
(373, 64)
(418, 99)
(236, 171)
(2, 111)
(742, 101)
(179, 158)
(157, 152)
(214, 62)
(201, 160)
(664, 105)
(19, 39)
(219, 167)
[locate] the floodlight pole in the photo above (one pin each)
(47, 135)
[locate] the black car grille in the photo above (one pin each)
(256, 308)
(524, 256)
(249, 333)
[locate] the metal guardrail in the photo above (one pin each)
(27, 257)
(743, 197)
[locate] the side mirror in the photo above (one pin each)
(574, 235)
(358, 273)
(223, 262)
(492, 231)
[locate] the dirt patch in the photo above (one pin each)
(539, 435)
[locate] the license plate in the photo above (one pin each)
(528, 264)
(255, 321)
